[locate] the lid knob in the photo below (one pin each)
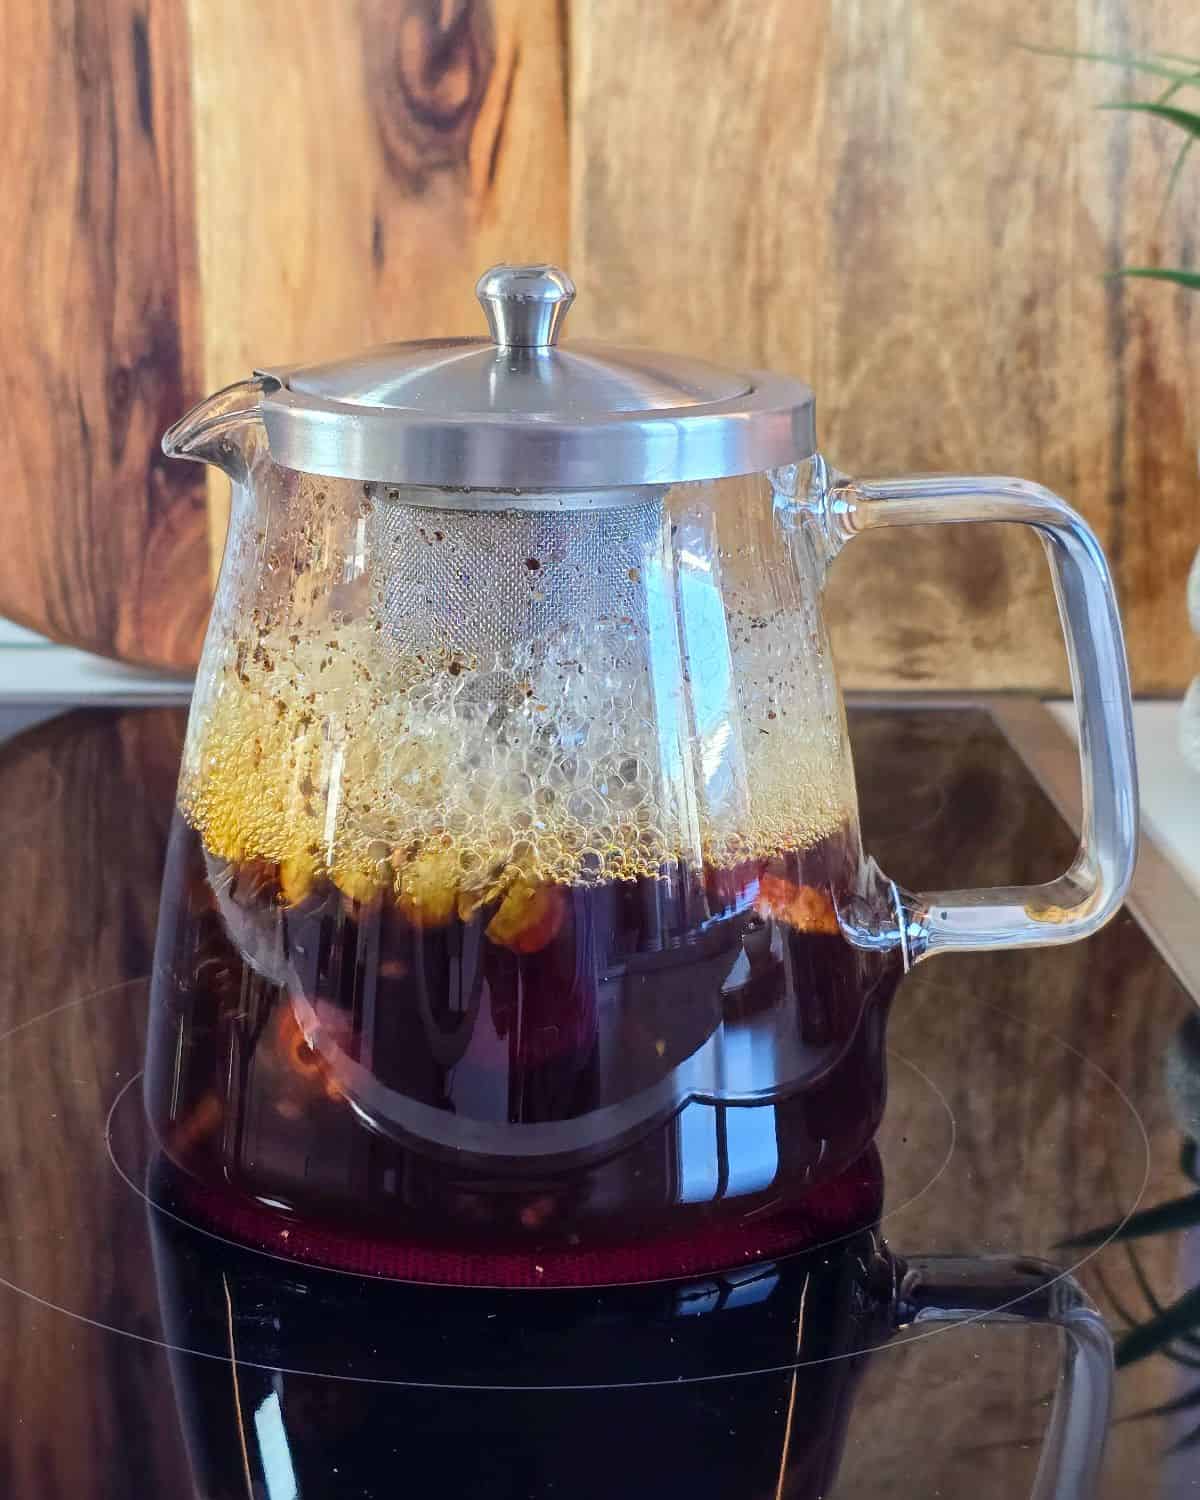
(525, 305)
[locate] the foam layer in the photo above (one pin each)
(446, 778)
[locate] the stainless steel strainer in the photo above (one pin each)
(482, 586)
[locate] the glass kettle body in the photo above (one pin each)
(516, 927)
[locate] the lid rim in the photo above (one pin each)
(767, 427)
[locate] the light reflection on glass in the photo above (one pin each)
(278, 1469)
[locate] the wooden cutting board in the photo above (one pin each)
(199, 188)
(897, 203)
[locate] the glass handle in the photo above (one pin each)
(1016, 1289)
(1084, 898)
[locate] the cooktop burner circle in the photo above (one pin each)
(96, 1254)
(125, 1123)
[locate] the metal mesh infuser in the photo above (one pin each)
(501, 590)
(534, 660)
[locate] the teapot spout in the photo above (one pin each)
(225, 429)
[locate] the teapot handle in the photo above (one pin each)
(1089, 893)
(1019, 1289)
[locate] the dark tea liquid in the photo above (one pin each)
(566, 1085)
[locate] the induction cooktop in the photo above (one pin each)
(140, 1354)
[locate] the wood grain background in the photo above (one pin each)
(891, 199)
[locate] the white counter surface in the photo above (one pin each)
(1170, 788)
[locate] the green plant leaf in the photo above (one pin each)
(1190, 279)
(1189, 1440)
(1177, 167)
(1156, 64)
(1166, 1409)
(1181, 155)
(1183, 118)
(1173, 88)
(1171, 1352)
(1148, 1338)
(1191, 62)
(1179, 1213)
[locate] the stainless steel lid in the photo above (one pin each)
(518, 411)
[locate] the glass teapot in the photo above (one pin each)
(516, 927)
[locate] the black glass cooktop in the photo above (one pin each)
(1034, 1097)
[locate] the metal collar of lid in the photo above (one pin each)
(769, 427)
